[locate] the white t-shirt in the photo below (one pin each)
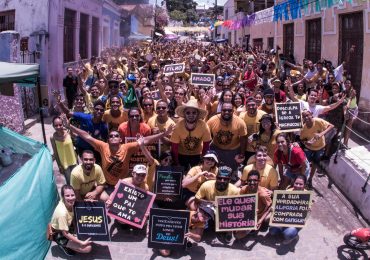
(316, 110)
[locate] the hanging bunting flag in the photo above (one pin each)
(278, 15)
(285, 11)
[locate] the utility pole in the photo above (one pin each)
(216, 18)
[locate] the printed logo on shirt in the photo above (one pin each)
(224, 137)
(191, 143)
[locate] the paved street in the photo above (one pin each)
(330, 219)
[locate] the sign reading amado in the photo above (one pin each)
(91, 220)
(202, 79)
(168, 181)
(174, 68)
(130, 204)
(167, 228)
(288, 116)
(236, 212)
(290, 208)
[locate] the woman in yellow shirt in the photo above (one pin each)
(61, 224)
(64, 152)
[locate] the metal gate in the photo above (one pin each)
(313, 40)
(288, 39)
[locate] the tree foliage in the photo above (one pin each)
(182, 10)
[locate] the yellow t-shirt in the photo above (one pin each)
(153, 123)
(66, 152)
(253, 125)
(269, 177)
(147, 117)
(319, 125)
(191, 142)
(89, 100)
(151, 171)
(208, 191)
(86, 183)
(62, 218)
(270, 143)
(227, 137)
(114, 122)
(194, 187)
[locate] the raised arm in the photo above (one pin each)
(291, 93)
(83, 134)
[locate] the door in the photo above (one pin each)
(351, 33)
(288, 39)
(313, 40)
(258, 43)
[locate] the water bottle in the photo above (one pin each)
(6, 156)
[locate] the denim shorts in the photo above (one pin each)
(314, 156)
(292, 175)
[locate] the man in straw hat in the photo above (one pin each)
(191, 136)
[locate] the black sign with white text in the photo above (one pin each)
(202, 79)
(288, 116)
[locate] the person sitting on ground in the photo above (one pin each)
(64, 152)
(88, 179)
(290, 233)
(208, 192)
(197, 175)
(264, 200)
(61, 224)
(197, 224)
(269, 176)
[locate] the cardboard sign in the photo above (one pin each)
(288, 116)
(130, 204)
(91, 220)
(167, 228)
(168, 181)
(236, 212)
(138, 157)
(290, 208)
(203, 79)
(174, 68)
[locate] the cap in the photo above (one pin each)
(276, 81)
(208, 210)
(224, 171)
(269, 91)
(140, 168)
(211, 154)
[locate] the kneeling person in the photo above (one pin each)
(88, 179)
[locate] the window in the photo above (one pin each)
(270, 43)
(226, 14)
(84, 30)
(288, 40)
(313, 40)
(69, 35)
(258, 43)
(7, 20)
(95, 37)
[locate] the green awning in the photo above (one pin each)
(18, 73)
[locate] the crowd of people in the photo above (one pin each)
(224, 136)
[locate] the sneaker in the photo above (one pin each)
(216, 242)
(289, 241)
(228, 237)
(67, 251)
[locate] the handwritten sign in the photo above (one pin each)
(288, 116)
(174, 68)
(202, 79)
(91, 220)
(168, 181)
(236, 212)
(130, 204)
(139, 157)
(290, 208)
(168, 228)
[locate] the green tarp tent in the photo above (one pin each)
(23, 74)
(28, 197)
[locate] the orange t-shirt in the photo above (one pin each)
(115, 166)
(125, 131)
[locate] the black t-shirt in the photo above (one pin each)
(70, 83)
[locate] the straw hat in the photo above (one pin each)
(192, 103)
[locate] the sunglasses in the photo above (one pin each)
(191, 113)
(147, 105)
(99, 109)
(114, 136)
(161, 108)
(179, 93)
(227, 110)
